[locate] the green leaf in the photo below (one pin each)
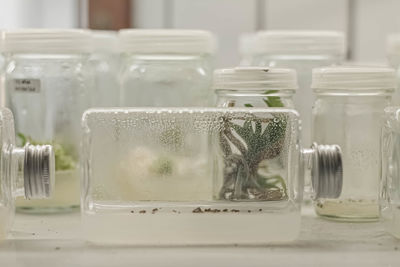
(243, 132)
(23, 138)
(273, 101)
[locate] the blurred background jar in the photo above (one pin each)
(349, 105)
(2, 70)
(389, 197)
(105, 63)
(255, 87)
(166, 68)
(302, 51)
(393, 57)
(48, 81)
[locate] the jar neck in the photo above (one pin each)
(353, 92)
(335, 58)
(167, 57)
(255, 92)
(45, 57)
(30, 170)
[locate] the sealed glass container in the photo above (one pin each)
(348, 111)
(105, 63)
(302, 51)
(390, 182)
(255, 87)
(47, 88)
(2, 70)
(166, 68)
(24, 171)
(393, 56)
(198, 176)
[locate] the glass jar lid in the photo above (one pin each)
(255, 78)
(299, 42)
(167, 41)
(353, 77)
(47, 41)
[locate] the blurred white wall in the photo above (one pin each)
(39, 14)
(367, 22)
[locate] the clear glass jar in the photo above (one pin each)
(302, 51)
(105, 61)
(2, 70)
(25, 171)
(198, 175)
(348, 111)
(390, 183)
(255, 87)
(48, 88)
(166, 68)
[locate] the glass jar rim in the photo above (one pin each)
(255, 78)
(353, 78)
(299, 42)
(47, 41)
(258, 91)
(166, 41)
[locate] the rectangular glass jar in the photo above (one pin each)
(348, 110)
(48, 86)
(191, 176)
(24, 171)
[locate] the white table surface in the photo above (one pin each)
(55, 240)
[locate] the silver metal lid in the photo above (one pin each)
(39, 170)
(326, 171)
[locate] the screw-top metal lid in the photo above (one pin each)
(39, 169)
(327, 171)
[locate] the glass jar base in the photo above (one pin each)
(348, 210)
(48, 210)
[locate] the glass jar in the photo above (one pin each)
(393, 56)
(198, 175)
(47, 88)
(390, 183)
(105, 63)
(255, 87)
(2, 70)
(302, 51)
(166, 68)
(349, 105)
(25, 171)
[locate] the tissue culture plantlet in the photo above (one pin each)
(242, 178)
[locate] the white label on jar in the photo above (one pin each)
(27, 85)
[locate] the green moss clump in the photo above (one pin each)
(162, 166)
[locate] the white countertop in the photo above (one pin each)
(55, 240)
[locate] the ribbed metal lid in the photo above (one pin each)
(39, 170)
